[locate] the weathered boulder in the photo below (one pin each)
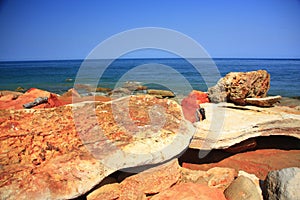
(161, 93)
(151, 181)
(63, 152)
(191, 191)
(217, 177)
(242, 188)
(227, 124)
(263, 102)
(237, 86)
(283, 184)
(258, 162)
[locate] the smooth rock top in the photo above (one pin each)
(63, 152)
(227, 124)
(237, 86)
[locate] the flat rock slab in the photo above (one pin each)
(263, 102)
(227, 124)
(63, 152)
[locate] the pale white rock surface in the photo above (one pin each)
(283, 184)
(227, 124)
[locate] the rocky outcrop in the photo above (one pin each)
(237, 86)
(30, 96)
(63, 152)
(258, 162)
(227, 124)
(283, 184)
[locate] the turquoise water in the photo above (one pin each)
(59, 76)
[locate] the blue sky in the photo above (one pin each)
(65, 29)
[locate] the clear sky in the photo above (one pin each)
(70, 29)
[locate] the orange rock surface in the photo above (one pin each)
(63, 152)
(191, 191)
(30, 96)
(258, 162)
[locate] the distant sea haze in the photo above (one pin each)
(58, 76)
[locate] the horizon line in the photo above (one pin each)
(140, 58)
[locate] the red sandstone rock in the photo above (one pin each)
(106, 192)
(201, 97)
(191, 103)
(151, 181)
(217, 177)
(30, 96)
(43, 155)
(189, 108)
(258, 162)
(191, 191)
(8, 97)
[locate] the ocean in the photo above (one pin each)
(165, 73)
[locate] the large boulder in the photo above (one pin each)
(283, 184)
(63, 152)
(237, 86)
(243, 188)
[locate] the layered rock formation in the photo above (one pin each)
(227, 124)
(61, 153)
(237, 86)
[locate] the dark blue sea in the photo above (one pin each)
(59, 76)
